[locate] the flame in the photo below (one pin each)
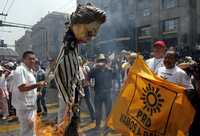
(50, 129)
(47, 129)
(42, 129)
(60, 128)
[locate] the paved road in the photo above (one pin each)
(12, 128)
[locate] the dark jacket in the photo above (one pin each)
(103, 76)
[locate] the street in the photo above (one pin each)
(11, 128)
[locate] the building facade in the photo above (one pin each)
(174, 21)
(117, 32)
(7, 54)
(47, 35)
(2, 44)
(23, 44)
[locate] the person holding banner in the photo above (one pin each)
(150, 106)
(173, 73)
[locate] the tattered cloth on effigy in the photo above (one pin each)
(50, 129)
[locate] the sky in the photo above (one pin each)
(29, 12)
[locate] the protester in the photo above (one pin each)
(103, 76)
(25, 93)
(41, 92)
(173, 73)
(10, 66)
(87, 90)
(3, 94)
(127, 65)
(115, 64)
(156, 62)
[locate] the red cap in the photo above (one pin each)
(160, 43)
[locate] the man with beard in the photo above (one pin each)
(173, 73)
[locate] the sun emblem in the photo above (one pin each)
(152, 99)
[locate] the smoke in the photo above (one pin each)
(115, 33)
(116, 26)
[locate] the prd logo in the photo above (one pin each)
(152, 99)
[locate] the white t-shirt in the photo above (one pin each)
(154, 64)
(176, 75)
(3, 85)
(10, 81)
(23, 100)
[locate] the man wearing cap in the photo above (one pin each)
(103, 76)
(3, 94)
(159, 48)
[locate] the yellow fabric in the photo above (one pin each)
(150, 106)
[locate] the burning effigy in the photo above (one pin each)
(50, 128)
(53, 129)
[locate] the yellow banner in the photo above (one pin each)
(150, 106)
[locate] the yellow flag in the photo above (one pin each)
(150, 106)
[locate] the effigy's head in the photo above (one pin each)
(86, 21)
(86, 14)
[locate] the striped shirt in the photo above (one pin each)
(67, 67)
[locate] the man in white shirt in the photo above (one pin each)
(159, 48)
(25, 93)
(126, 66)
(173, 73)
(3, 94)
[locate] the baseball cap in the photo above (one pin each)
(159, 43)
(101, 57)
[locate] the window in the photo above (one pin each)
(144, 31)
(169, 25)
(146, 12)
(169, 4)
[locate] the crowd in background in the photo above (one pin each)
(7, 111)
(103, 78)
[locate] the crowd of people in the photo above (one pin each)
(19, 90)
(6, 72)
(101, 77)
(23, 86)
